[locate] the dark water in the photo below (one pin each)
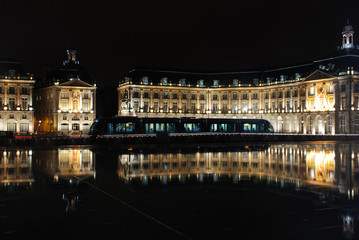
(257, 191)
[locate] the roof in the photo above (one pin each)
(12, 69)
(334, 65)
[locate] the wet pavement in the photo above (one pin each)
(107, 193)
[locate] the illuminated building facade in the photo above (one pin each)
(319, 97)
(68, 163)
(332, 165)
(65, 99)
(16, 90)
(16, 168)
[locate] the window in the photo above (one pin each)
(193, 96)
(11, 90)
(225, 97)
(64, 95)
(356, 123)
(64, 117)
(85, 127)
(342, 123)
(201, 97)
(155, 95)
(11, 103)
(164, 81)
(267, 106)
(174, 107)
(235, 82)
(145, 80)
(288, 105)
(244, 106)
(165, 95)
(24, 103)
(244, 96)
(215, 97)
(86, 106)
(184, 96)
(273, 106)
(75, 118)
(165, 106)
(23, 116)
(235, 96)
(331, 89)
(135, 105)
(184, 107)
(136, 94)
(343, 102)
(75, 127)
(202, 108)
(225, 108)
(266, 96)
(145, 95)
(193, 107)
(287, 94)
(342, 87)
(255, 106)
(155, 106)
(86, 118)
(280, 94)
(0, 102)
(175, 96)
(75, 105)
(86, 95)
(24, 127)
(64, 127)
(215, 83)
(201, 83)
(145, 106)
(215, 107)
(255, 96)
(11, 116)
(11, 127)
(24, 90)
(273, 94)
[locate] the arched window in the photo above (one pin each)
(310, 125)
(75, 118)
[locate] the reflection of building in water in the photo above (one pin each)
(323, 164)
(16, 167)
(69, 163)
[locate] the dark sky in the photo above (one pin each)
(113, 37)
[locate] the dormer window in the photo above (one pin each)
(215, 83)
(283, 78)
(297, 76)
(12, 73)
(235, 82)
(201, 83)
(269, 80)
(164, 81)
(145, 80)
(255, 81)
(183, 82)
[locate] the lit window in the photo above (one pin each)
(311, 90)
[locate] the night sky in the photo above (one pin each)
(113, 37)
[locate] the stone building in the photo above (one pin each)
(16, 90)
(318, 97)
(65, 99)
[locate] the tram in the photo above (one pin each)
(136, 125)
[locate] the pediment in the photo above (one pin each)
(318, 74)
(76, 83)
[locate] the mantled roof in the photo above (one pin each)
(12, 69)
